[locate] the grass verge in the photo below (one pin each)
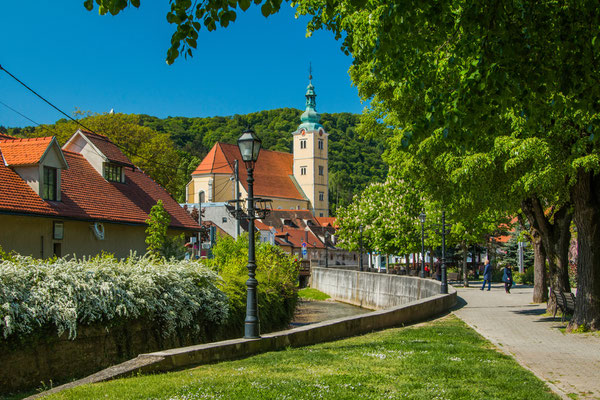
(312, 294)
(444, 359)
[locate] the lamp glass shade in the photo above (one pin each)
(249, 145)
(422, 218)
(361, 228)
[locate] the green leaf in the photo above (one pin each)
(88, 4)
(244, 4)
(266, 9)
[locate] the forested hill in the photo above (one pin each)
(169, 149)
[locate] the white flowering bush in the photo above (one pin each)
(67, 293)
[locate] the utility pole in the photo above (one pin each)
(236, 196)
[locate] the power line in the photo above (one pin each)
(27, 118)
(24, 116)
(85, 127)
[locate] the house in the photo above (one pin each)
(81, 199)
(296, 181)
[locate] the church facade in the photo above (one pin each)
(297, 181)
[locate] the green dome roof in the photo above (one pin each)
(310, 117)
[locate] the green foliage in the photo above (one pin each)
(66, 293)
(388, 213)
(354, 161)
(158, 222)
(277, 275)
(170, 149)
(443, 359)
(312, 294)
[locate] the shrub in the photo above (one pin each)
(277, 275)
(66, 293)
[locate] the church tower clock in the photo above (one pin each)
(310, 156)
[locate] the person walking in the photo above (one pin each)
(487, 274)
(507, 279)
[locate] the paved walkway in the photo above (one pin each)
(570, 363)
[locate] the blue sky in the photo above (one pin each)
(78, 59)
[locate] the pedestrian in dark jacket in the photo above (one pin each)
(507, 278)
(487, 275)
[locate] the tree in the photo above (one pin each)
(389, 213)
(158, 241)
(478, 77)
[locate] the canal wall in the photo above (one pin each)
(372, 290)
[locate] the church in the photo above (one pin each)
(297, 181)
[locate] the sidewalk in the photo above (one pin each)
(569, 363)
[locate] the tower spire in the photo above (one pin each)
(310, 118)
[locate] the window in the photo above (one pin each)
(321, 170)
(302, 143)
(224, 219)
(50, 184)
(302, 170)
(320, 144)
(320, 214)
(113, 173)
(321, 197)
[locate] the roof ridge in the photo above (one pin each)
(33, 139)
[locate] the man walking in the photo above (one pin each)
(487, 274)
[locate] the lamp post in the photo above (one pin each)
(249, 145)
(326, 251)
(422, 219)
(360, 260)
(444, 287)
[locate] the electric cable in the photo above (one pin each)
(102, 137)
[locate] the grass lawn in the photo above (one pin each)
(443, 359)
(312, 294)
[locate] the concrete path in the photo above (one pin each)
(569, 363)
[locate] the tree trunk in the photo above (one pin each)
(555, 238)
(585, 194)
(465, 272)
(540, 280)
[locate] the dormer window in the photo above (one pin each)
(50, 184)
(113, 173)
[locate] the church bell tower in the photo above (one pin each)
(310, 156)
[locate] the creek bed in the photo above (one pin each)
(312, 311)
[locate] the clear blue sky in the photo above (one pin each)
(78, 59)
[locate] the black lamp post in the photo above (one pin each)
(249, 145)
(360, 260)
(326, 251)
(444, 287)
(422, 219)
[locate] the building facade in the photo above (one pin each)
(297, 181)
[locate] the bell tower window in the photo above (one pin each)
(320, 144)
(302, 143)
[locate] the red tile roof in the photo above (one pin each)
(88, 196)
(327, 221)
(272, 172)
(5, 136)
(108, 148)
(297, 236)
(24, 151)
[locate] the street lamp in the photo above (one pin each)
(444, 287)
(360, 260)
(326, 251)
(422, 219)
(249, 145)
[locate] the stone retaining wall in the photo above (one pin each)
(372, 290)
(415, 299)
